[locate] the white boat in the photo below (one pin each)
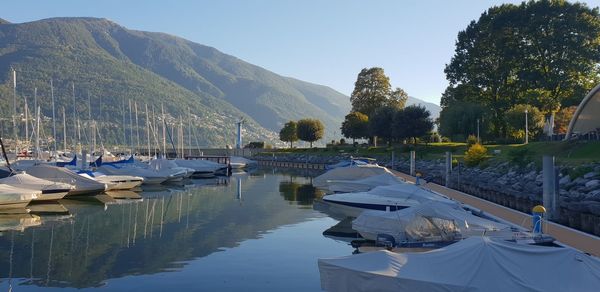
(365, 184)
(238, 162)
(170, 168)
(202, 168)
(13, 198)
(350, 173)
(384, 198)
(115, 182)
(474, 264)
(82, 185)
(428, 223)
(150, 177)
(50, 190)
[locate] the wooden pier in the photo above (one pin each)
(577, 239)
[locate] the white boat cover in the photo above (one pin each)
(473, 264)
(63, 175)
(11, 194)
(24, 180)
(169, 167)
(200, 165)
(242, 160)
(423, 221)
(354, 172)
(365, 184)
(147, 174)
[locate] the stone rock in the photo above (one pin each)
(564, 180)
(590, 175)
(592, 184)
(580, 181)
(539, 178)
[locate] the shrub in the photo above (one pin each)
(342, 141)
(520, 156)
(472, 140)
(476, 154)
(446, 140)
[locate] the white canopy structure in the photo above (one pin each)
(349, 173)
(429, 221)
(586, 118)
(473, 264)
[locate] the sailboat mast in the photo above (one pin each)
(14, 117)
(64, 114)
(130, 128)
(26, 124)
(37, 134)
(137, 125)
(74, 117)
(148, 128)
(164, 128)
(53, 117)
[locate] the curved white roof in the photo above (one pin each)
(586, 117)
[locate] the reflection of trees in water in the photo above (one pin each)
(302, 194)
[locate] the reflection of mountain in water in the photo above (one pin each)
(147, 236)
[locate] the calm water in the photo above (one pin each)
(254, 232)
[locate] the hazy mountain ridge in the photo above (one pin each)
(116, 64)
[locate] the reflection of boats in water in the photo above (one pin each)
(18, 222)
(342, 231)
(48, 208)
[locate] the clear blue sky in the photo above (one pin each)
(325, 42)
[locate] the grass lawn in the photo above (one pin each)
(569, 153)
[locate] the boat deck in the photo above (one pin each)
(577, 239)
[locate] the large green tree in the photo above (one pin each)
(355, 126)
(412, 122)
(544, 53)
(289, 133)
(310, 130)
(380, 122)
(372, 90)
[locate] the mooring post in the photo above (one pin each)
(448, 168)
(412, 162)
(550, 195)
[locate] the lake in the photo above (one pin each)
(251, 232)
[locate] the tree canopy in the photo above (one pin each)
(372, 90)
(289, 133)
(310, 130)
(412, 122)
(355, 126)
(542, 53)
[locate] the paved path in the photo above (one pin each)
(569, 236)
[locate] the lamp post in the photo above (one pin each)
(526, 129)
(478, 141)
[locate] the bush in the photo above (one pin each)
(476, 154)
(255, 145)
(446, 140)
(472, 140)
(520, 156)
(342, 141)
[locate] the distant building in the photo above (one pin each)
(586, 120)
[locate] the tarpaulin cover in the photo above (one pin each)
(473, 264)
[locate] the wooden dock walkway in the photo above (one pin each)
(580, 240)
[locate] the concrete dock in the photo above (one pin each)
(580, 240)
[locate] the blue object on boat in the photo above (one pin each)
(130, 160)
(63, 164)
(96, 163)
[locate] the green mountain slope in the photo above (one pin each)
(115, 64)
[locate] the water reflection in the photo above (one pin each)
(158, 230)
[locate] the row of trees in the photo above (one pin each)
(540, 55)
(379, 111)
(308, 130)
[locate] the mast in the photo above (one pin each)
(148, 128)
(53, 117)
(64, 114)
(123, 126)
(137, 125)
(26, 124)
(164, 128)
(130, 129)
(74, 117)
(14, 117)
(37, 134)
(190, 133)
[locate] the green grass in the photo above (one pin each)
(566, 153)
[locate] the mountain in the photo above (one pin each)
(111, 65)
(433, 108)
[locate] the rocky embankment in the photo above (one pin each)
(517, 187)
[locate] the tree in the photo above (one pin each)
(310, 130)
(412, 122)
(372, 90)
(380, 123)
(458, 120)
(355, 126)
(563, 119)
(544, 53)
(289, 133)
(515, 119)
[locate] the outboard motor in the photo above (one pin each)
(385, 240)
